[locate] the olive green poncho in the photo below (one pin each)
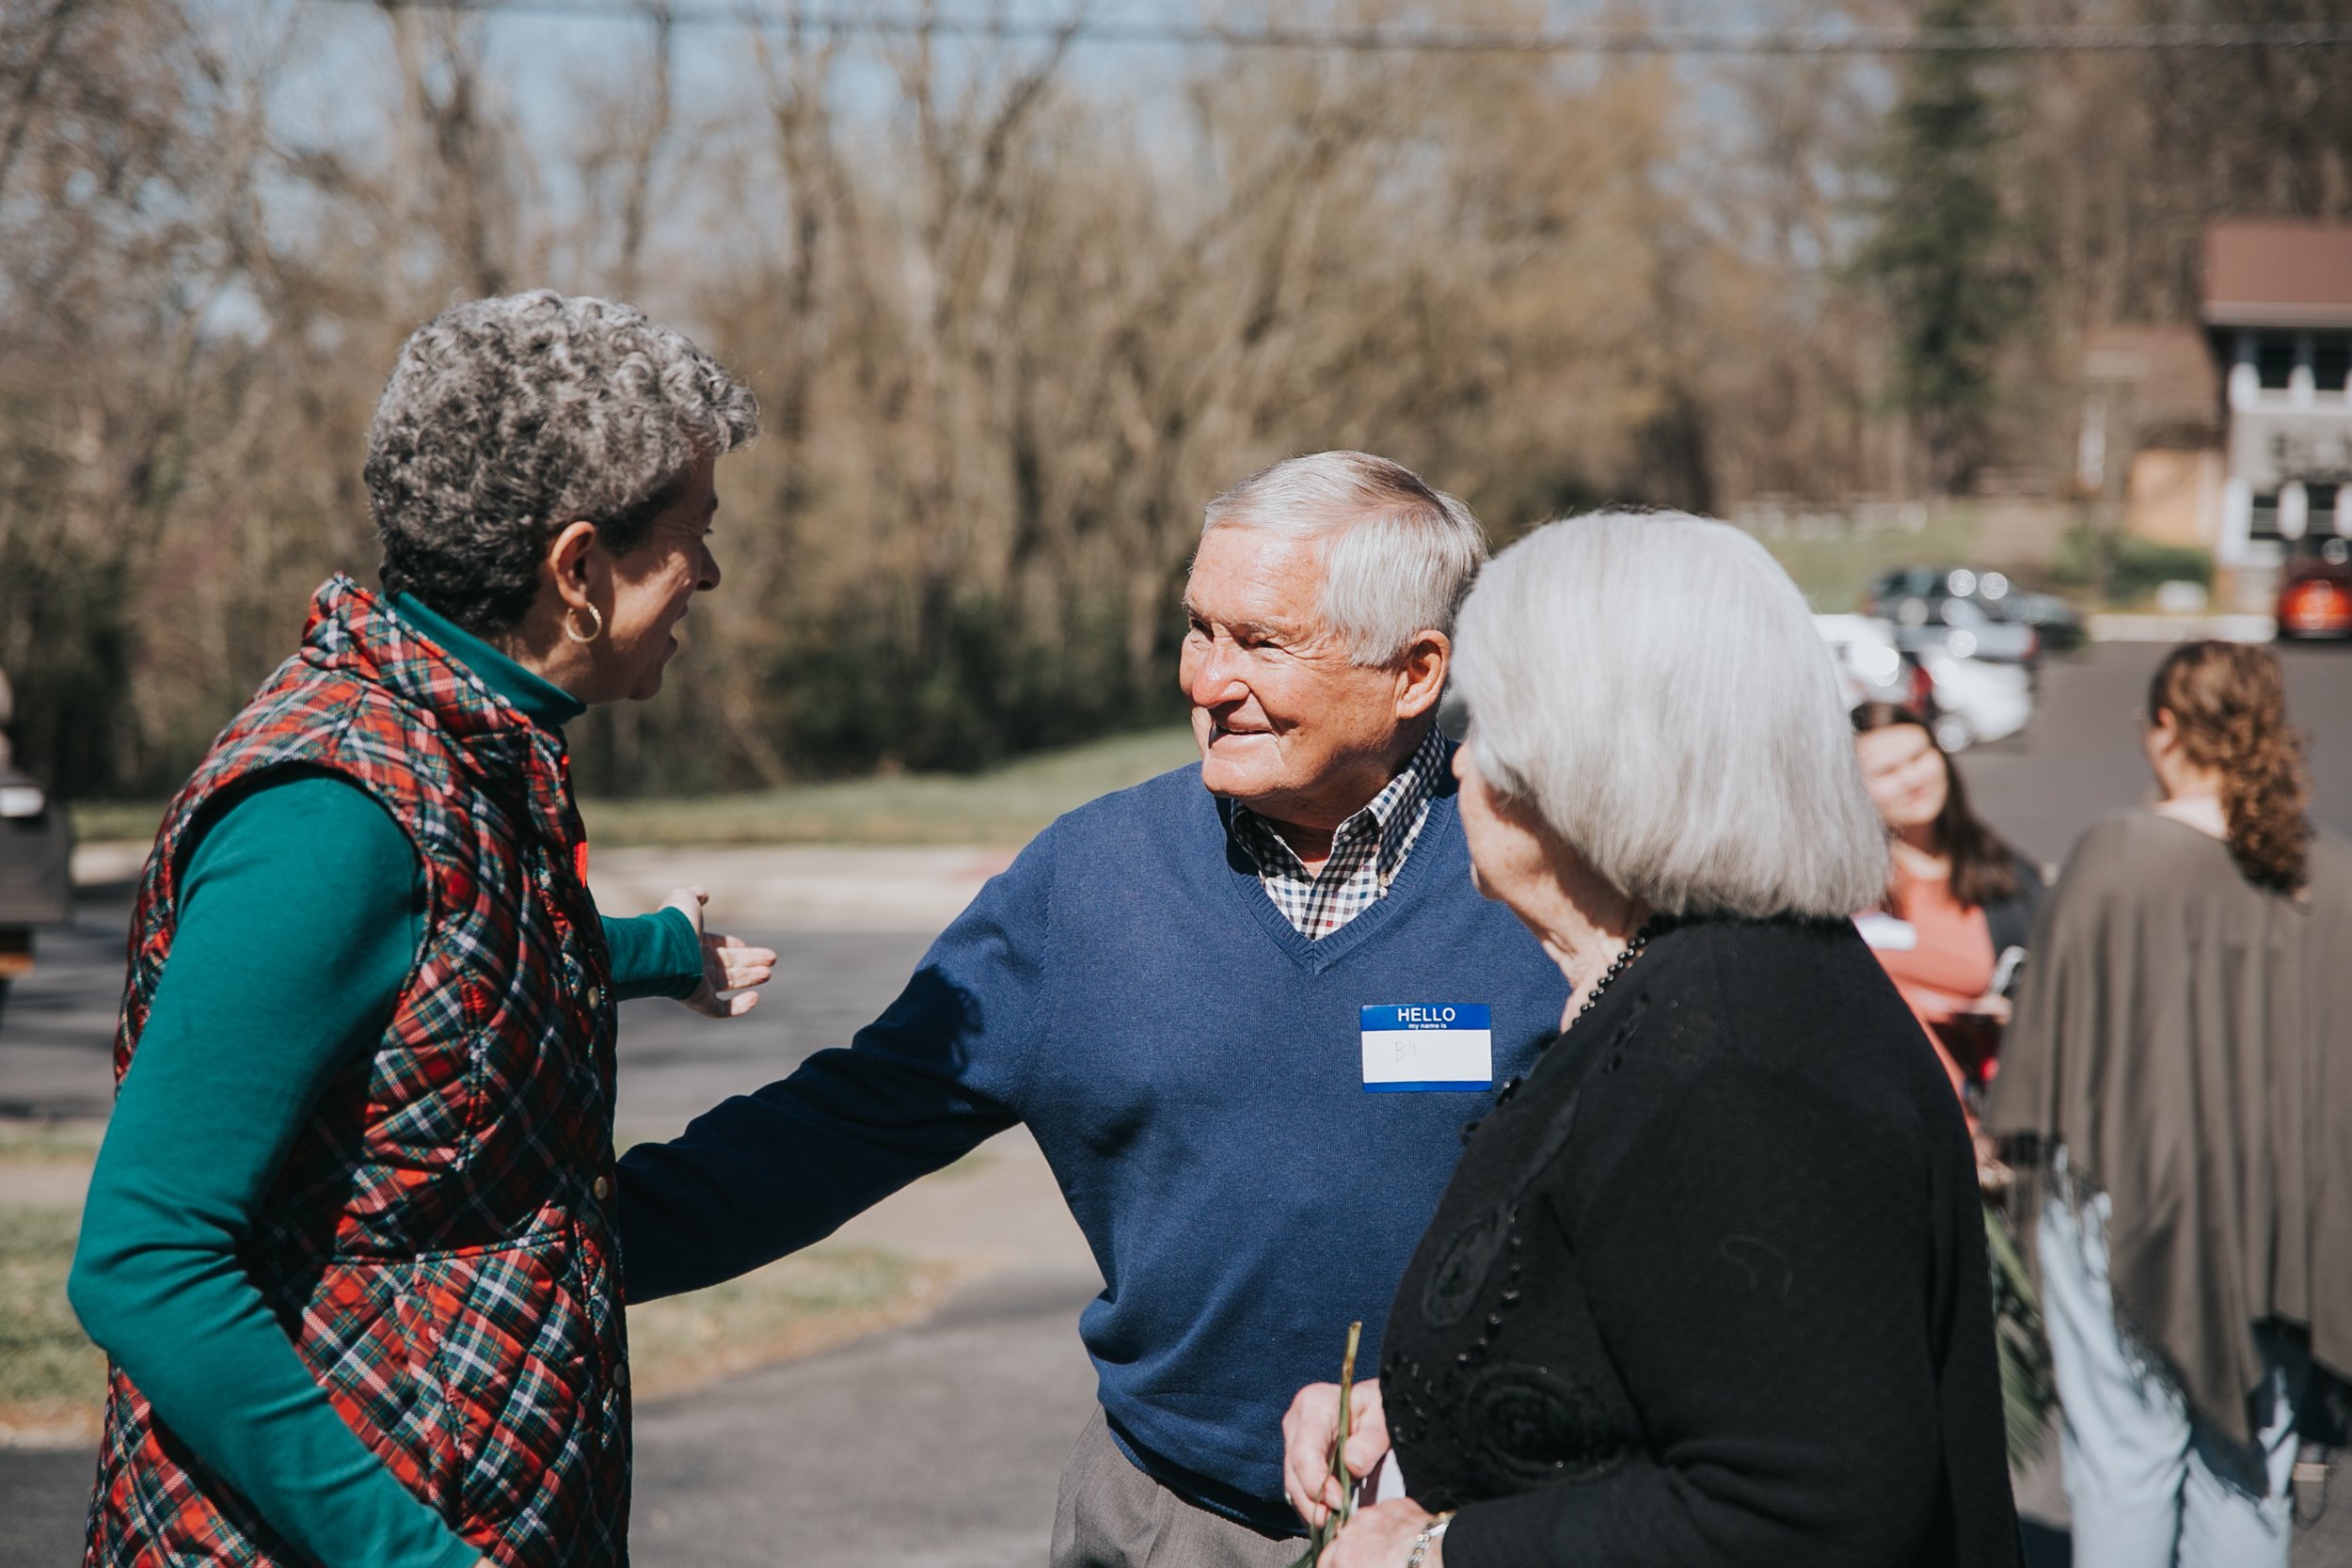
(2188, 1038)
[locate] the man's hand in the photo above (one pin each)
(1381, 1536)
(1307, 1433)
(728, 964)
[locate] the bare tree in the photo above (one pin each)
(1012, 322)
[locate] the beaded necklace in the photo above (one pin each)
(1625, 954)
(1642, 937)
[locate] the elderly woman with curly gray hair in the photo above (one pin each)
(348, 1245)
(1708, 1285)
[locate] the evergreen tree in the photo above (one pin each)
(1940, 249)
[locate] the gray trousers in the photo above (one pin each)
(1112, 1515)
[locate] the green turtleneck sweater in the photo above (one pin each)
(301, 910)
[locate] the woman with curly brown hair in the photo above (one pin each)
(2175, 1091)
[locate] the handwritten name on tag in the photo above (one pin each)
(1429, 1046)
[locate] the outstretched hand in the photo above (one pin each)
(730, 966)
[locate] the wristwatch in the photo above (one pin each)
(1429, 1534)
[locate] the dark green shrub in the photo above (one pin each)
(2124, 568)
(2137, 565)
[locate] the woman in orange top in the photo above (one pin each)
(1959, 898)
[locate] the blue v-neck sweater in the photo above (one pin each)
(1191, 1066)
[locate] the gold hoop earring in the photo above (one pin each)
(595, 614)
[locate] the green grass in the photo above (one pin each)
(51, 1375)
(45, 1143)
(805, 1304)
(109, 819)
(1005, 805)
(1835, 569)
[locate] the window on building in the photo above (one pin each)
(2274, 358)
(2331, 360)
(2321, 523)
(2264, 523)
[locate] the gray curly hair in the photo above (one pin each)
(506, 418)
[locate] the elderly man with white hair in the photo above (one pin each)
(1246, 1008)
(1709, 1286)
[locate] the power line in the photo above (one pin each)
(1458, 41)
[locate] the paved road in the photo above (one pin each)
(57, 1036)
(939, 1445)
(936, 1447)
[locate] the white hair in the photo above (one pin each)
(1651, 685)
(1398, 555)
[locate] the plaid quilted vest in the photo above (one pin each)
(437, 1244)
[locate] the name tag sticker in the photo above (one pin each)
(1885, 933)
(1440, 1045)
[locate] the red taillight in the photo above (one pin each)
(2318, 605)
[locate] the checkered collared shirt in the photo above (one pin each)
(1367, 851)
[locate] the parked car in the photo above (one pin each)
(2054, 620)
(2315, 593)
(36, 861)
(1964, 629)
(1871, 668)
(1918, 596)
(1977, 700)
(1964, 699)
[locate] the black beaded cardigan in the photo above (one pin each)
(1709, 1287)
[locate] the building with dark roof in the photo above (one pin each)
(2278, 314)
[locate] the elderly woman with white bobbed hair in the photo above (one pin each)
(1708, 1286)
